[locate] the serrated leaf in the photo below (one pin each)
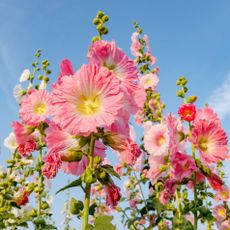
(75, 183)
(109, 169)
(104, 223)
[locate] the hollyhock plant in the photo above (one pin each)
(86, 98)
(35, 107)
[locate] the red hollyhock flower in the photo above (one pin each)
(113, 195)
(187, 112)
(21, 196)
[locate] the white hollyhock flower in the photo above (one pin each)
(18, 93)
(25, 75)
(10, 142)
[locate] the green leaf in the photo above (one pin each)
(104, 223)
(75, 183)
(92, 209)
(109, 169)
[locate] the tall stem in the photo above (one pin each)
(88, 185)
(178, 207)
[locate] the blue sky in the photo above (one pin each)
(188, 38)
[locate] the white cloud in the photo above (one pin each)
(220, 99)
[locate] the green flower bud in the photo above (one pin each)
(105, 31)
(76, 206)
(39, 221)
(184, 81)
(72, 155)
(105, 18)
(97, 160)
(30, 187)
(96, 21)
(180, 94)
(45, 205)
(101, 28)
(192, 99)
(100, 14)
(178, 82)
(46, 79)
(95, 38)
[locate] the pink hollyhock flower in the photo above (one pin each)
(219, 212)
(176, 131)
(224, 225)
(133, 202)
(66, 69)
(156, 169)
(170, 186)
(106, 54)
(112, 195)
(187, 112)
(211, 141)
(130, 152)
(86, 99)
(64, 144)
(165, 197)
(156, 140)
(149, 80)
(207, 114)
(223, 194)
(215, 181)
(27, 148)
(136, 45)
(139, 117)
(148, 53)
(183, 166)
(22, 132)
(21, 197)
(190, 218)
(35, 107)
(52, 164)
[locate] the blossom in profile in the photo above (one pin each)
(82, 102)
(210, 140)
(113, 195)
(107, 54)
(66, 69)
(149, 80)
(27, 148)
(52, 164)
(25, 75)
(135, 45)
(35, 107)
(219, 212)
(10, 142)
(187, 112)
(156, 140)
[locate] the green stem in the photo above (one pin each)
(178, 208)
(88, 185)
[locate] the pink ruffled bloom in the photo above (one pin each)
(187, 112)
(107, 54)
(219, 212)
(130, 152)
(223, 194)
(224, 225)
(86, 99)
(52, 164)
(183, 166)
(27, 148)
(149, 80)
(211, 141)
(35, 107)
(66, 69)
(156, 140)
(136, 45)
(113, 195)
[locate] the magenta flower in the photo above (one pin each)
(113, 195)
(66, 69)
(82, 102)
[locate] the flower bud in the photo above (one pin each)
(105, 18)
(192, 99)
(39, 221)
(76, 206)
(180, 93)
(97, 160)
(100, 14)
(96, 21)
(95, 38)
(72, 155)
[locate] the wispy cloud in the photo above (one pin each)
(220, 98)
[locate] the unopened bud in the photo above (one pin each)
(192, 99)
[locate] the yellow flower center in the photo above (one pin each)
(161, 140)
(89, 105)
(221, 212)
(203, 144)
(40, 108)
(148, 81)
